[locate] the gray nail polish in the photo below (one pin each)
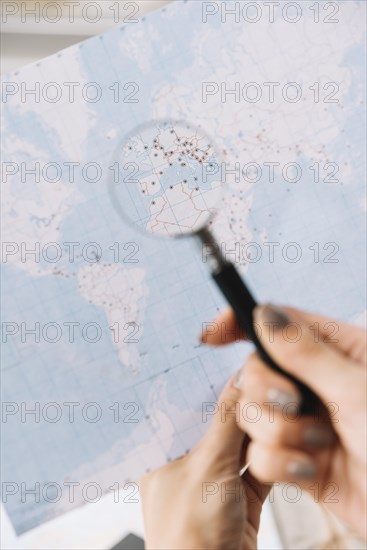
(238, 379)
(318, 436)
(301, 469)
(283, 398)
(273, 315)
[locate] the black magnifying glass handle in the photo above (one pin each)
(243, 304)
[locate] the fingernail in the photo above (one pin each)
(282, 398)
(238, 379)
(271, 314)
(318, 436)
(301, 469)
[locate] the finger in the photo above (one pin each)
(224, 439)
(271, 463)
(349, 339)
(291, 343)
(223, 330)
(265, 387)
(280, 429)
(269, 410)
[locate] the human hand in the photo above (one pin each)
(200, 501)
(327, 453)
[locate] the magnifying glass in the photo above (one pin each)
(167, 184)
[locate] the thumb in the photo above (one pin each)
(224, 439)
(293, 345)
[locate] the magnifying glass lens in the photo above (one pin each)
(168, 178)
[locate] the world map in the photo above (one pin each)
(101, 318)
